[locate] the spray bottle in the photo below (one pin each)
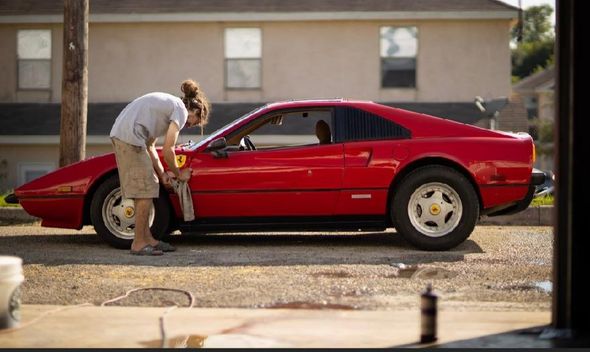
(428, 310)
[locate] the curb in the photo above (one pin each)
(532, 216)
(16, 214)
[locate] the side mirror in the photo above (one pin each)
(216, 148)
(216, 144)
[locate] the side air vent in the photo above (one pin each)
(355, 125)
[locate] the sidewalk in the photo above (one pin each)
(16, 214)
(92, 326)
(532, 216)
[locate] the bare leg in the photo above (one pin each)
(143, 235)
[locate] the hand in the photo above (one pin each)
(185, 174)
(165, 178)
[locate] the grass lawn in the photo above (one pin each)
(547, 200)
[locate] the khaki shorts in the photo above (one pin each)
(136, 172)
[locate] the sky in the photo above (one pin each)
(527, 3)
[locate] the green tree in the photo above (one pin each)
(536, 49)
(536, 24)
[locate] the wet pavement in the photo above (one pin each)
(133, 327)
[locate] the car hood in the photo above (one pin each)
(70, 180)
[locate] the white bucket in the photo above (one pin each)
(11, 277)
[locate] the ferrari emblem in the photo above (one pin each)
(129, 212)
(180, 160)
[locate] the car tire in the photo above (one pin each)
(435, 208)
(113, 218)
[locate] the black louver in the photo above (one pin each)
(355, 125)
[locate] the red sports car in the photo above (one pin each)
(370, 167)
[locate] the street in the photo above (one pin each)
(497, 268)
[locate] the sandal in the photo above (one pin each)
(147, 250)
(164, 247)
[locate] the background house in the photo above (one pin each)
(537, 93)
(429, 56)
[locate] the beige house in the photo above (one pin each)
(425, 55)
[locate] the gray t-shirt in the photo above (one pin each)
(147, 117)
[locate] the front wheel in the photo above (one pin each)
(435, 208)
(113, 216)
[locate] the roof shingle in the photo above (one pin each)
(46, 7)
(530, 83)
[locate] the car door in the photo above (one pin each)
(294, 180)
(299, 181)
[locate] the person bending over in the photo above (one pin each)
(134, 136)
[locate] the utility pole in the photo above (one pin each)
(74, 96)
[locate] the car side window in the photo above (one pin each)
(288, 128)
(352, 124)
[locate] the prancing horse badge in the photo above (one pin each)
(180, 160)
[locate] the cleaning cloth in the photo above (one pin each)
(183, 191)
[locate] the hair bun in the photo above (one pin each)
(190, 88)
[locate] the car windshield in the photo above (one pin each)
(220, 131)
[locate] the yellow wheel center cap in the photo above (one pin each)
(434, 209)
(129, 212)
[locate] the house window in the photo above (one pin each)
(399, 46)
(34, 59)
(243, 51)
(531, 105)
(29, 171)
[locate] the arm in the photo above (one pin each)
(151, 149)
(170, 156)
(158, 167)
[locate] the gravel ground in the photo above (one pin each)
(497, 268)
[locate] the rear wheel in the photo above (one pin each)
(113, 216)
(435, 208)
